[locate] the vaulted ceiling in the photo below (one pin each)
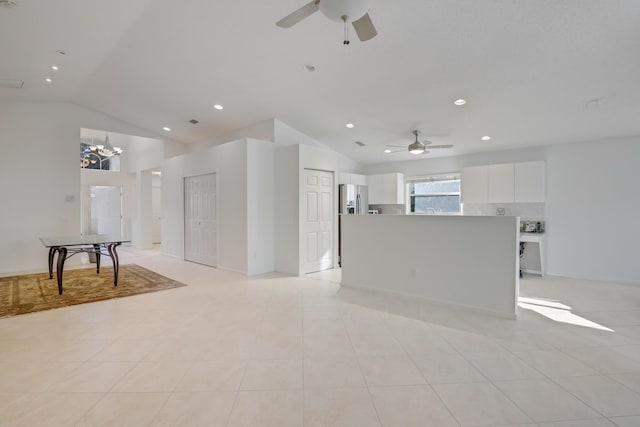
(533, 72)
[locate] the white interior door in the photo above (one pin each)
(156, 211)
(201, 220)
(318, 225)
(106, 210)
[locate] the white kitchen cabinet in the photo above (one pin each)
(352, 178)
(474, 183)
(386, 189)
(529, 182)
(501, 183)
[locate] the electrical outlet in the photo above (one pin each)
(500, 211)
(412, 272)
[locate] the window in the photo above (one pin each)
(434, 195)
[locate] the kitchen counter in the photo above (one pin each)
(468, 261)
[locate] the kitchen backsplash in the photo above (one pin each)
(528, 211)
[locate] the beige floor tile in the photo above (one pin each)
(605, 395)
(78, 351)
(124, 410)
(390, 370)
(555, 363)
(197, 409)
(152, 377)
(502, 365)
(479, 404)
(125, 351)
(409, 406)
(624, 421)
(319, 345)
(281, 374)
(17, 377)
(544, 400)
(631, 381)
(213, 376)
(267, 409)
(339, 407)
(442, 368)
(277, 346)
(90, 377)
(48, 409)
(332, 372)
(604, 359)
(597, 422)
(375, 343)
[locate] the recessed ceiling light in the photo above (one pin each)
(486, 138)
(54, 68)
(218, 107)
(350, 125)
(387, 151)
(460, 101)
(48, 80)
(168, 129)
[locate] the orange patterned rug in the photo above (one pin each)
(36, 292)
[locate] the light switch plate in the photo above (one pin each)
(500, 211)
(71, 198)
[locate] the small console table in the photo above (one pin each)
(539, 239)
(68, 246)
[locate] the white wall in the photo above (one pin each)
(593, 205)
(229, 161)
(260, 207)
(39, 168)
(263, 131)
(466, 261)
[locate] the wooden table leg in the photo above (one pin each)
(97, 252)
(62, 255)
(116, 262)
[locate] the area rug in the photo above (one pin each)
(35, 292)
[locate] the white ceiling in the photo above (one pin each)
(526, 67)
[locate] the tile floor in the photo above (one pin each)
(300, 351)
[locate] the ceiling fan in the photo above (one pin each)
(418, 147)
(355, 12)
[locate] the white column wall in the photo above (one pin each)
(260, 207)
(229, 161)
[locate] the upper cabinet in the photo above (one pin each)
(529, 182)
(352, 178)
(501, 183)
(386, 189)
(504, 183)
(474, 183)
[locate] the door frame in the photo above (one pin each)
(184, 223)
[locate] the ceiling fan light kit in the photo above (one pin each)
(418, 147)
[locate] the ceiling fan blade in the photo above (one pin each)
(293, 18)
(439, 146)
(364, 28)
(396, 146)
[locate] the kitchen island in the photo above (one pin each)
(467, 261)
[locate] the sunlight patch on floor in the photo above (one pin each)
(558, 312)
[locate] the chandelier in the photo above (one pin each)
(94, 153)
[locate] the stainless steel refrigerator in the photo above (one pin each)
(354, 200)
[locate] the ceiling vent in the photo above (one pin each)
(7, 3)
(359, 143)
(11, 84)
(194, 121)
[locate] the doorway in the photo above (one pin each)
(201, 219)
(106, 210)
(318, 221)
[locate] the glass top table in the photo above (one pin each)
(67, 246)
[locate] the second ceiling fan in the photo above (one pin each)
(418, 147)
(355, 12)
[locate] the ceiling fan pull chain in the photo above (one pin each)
(346, 29)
